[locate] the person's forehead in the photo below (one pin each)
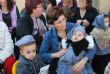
(67, 0)
(79, 32)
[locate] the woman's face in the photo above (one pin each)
(3, 3)
(60, 24)
(81, 4)
(38, 10)
(77, 36)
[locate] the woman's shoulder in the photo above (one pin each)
(50, 32)
(92, 9)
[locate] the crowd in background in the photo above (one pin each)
(70, 36)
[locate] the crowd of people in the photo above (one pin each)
(71, 36)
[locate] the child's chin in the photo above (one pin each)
(75, 40)
(31, 58)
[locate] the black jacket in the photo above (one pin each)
(90, 15)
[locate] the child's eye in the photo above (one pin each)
(28, 52)
(79, 35)
(34, 50)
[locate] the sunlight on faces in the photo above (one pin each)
(106, 21)
(28, 51)
(77, 36)
(60, 24)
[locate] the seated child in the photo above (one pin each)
(77, 46)
(101, 32)
(29, 61)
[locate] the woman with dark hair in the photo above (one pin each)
(85, 14)
(10, 15)
(51, 49)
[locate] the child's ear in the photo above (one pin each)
(21, 52)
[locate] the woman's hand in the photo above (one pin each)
(78, 67)
(85, 23)
(59, 53)
(79, 22)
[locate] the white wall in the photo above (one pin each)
(102, 5)
(20, 4)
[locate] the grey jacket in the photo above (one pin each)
(29, 67)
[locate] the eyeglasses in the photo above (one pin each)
(39, 7)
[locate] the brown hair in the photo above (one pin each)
(31, 4)
(10, 4)
(67, 12)
(54, 14)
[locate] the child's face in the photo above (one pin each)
(77, 36)
(28, 51)
(106, 21)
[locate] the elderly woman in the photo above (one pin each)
(85, 14)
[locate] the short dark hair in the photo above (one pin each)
(53, 2)
(54, 14)
(106, 16)
(10, 4)
(31, 4)
(89, 4)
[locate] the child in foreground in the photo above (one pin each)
(29, 61)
